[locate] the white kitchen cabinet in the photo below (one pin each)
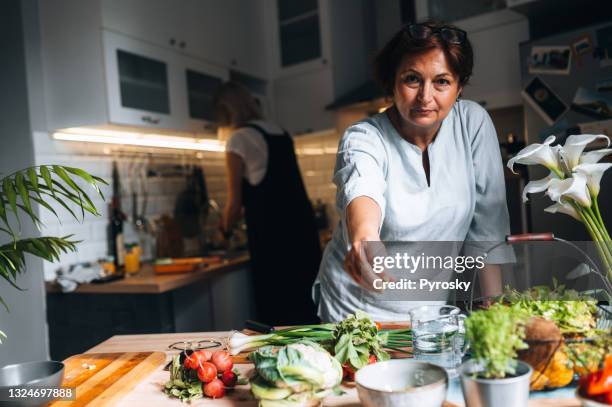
(142, 82)
(299, 33)
(495, 38)
(153, 21)
(225, 32)
(198, 83)
(307, 77)
(95, 77)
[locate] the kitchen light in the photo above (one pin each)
(107, 136)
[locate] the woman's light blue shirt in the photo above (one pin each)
(465, 201)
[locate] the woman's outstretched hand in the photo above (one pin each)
(359, 261)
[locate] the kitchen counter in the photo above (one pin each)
(147, 282)
(216, 298)
(148, 390)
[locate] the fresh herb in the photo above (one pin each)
(356, 338)
(183, 383)
(495, 335)
(573, 312)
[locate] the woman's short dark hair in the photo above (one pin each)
(459, 57)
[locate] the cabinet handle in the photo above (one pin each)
(149, 119)
(172, 41)
(182, 44)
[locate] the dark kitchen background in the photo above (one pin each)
(141, 73)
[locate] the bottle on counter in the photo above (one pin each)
(116, 242)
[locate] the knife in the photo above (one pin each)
(258, 326)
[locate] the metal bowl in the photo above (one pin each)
(44, 374)
(401, 382)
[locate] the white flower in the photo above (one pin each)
(574, 188)
(565, 208)
(574, 146)
(593, 174)
(594, 156)
(541, 185)
(537, 154)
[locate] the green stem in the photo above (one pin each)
(558, 173)
(602, 224)
(605, 255)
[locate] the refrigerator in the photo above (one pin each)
(566, 89)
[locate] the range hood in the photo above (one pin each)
(364, 97)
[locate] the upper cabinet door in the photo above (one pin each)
(155, 21)
(140, 80)
(199, 82)
(301, 35)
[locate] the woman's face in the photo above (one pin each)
(425, 89)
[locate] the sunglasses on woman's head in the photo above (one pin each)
(448, 34)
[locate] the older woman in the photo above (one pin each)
(427, 169)
(263, 177)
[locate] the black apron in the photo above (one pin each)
(283, 237)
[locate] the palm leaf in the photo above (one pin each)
(11, 196)
(90, 179)
(33, 178)
(46, 186)
(46, 175)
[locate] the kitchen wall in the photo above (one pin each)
(25, 324)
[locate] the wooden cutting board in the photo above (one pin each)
(103, 378)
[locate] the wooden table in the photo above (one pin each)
(148, 391)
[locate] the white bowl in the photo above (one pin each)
(401, 382)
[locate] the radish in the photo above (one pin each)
(229, 378)
(222, 360)
(206, 355)
(207, 372)
(214, 389)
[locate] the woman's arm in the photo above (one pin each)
(363, 220)
(234, 167)
(490, 280)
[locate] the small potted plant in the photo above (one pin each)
(494, 377)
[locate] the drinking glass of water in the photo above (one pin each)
(438, 335)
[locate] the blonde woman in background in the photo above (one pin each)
(263, 177)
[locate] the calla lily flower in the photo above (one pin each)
(541, 185)
(537, 154)
(574, 188)
(593, 157)
(593, 174)
(574, 146)
(563, 207)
